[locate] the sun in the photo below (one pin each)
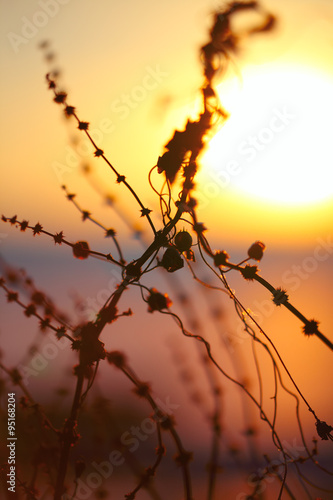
(276, 145)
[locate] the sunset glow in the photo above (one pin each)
(275, 145)
(166, 250)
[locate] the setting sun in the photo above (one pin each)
(276, 144)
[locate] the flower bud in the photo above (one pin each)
(256, 251)
(183, 241)
(81, 250)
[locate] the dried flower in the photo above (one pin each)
(324, 430)
(91, 349)
(99, 152)
(142, 389)
(311, 327)
(85, 215)
(116, 358)
(83, 126)
(23, 225)
(167, 421)
(61, 332)
(44, 324)
(30, 310)
(280, 296)
(170, 163)
(199, 227)
(76, 344)
(171, 260)
(249, 272)
(157, 301)
(12, 296)
(133, 270)
(38, 297)
(183, 241)
(69, 111)
(110, 233)
(256, 251)
(81, 250)
(37, 229)
(60, 97)
(58, 237)
(221, 258)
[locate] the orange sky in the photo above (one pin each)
(102, 63)
(132, 70)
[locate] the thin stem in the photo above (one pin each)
(69, 436)
(120, 178)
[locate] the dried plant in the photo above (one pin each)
(178, 243)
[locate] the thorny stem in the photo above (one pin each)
(273, 346)
(120, 178)
(69, 431)
(213, 464)
(25, 391)
(100, 324)
(69, 436)
(263, 415)
(206, 247)
(208, 250)
(294, 311)
(61, 239)
(87, 215)
(34, 313)
(71, 423)
(182, 452)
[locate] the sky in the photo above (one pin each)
(132, 69)
(128, 46)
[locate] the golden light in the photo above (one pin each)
(276, 145)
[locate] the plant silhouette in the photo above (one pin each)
(177, 242)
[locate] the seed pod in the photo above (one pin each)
(133, 270)
(183, 241)
(249, 272)
(171, 260)
(81, 250)
(221, 258)
(256, 251)
(157, 301)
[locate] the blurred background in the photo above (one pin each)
(133, 71)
